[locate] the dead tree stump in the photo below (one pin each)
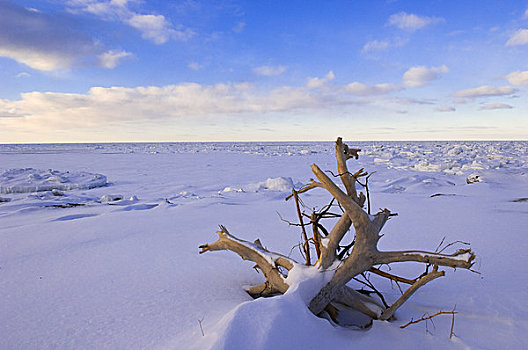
(355, 259)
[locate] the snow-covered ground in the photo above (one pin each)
(99, 244)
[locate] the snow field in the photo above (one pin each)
(117, 266)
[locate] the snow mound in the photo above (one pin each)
(280, 184)
(415, 182)
(270, 321)
(231, 189)
(267, 324)
(35, 180)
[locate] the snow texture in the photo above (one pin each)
(90, 261)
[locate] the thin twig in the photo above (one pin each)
(425, 318)
(306, 188)
(453, 243)
(391, 276)
(305, 236)
(201, 328)
(371, 286)
(345, 250)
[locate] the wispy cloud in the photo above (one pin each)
(361, 89)
(154, 27)
(445, 109)
(269, 70)
(518, 78)
(420, 75)
(411, 22)
(41, 41)
(492, 106)
(519, 38)
(239, 27)
(194, 66)
(415, 101)
(486, 91)
(375, 45)
(314, 83)
(111, 59)
(23, 75)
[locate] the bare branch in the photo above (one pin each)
(369, 284)
(305, 237)
(313, 184)
(266, 261)
(353, 210)
(391, 276)
(351, 152)
(462, 258)
(348, 181)
(316, 236)
(409, 292)
(334, 237)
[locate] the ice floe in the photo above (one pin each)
(35, 180)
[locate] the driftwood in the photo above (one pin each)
(344, 262)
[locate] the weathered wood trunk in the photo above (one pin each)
(363, 258)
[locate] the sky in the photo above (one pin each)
(193, 70)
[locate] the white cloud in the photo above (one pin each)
(519, 38)
(375, 45)
(112, 9)
(153, 27)
(518, 78)
(157, 29)
(411, 22)
(40, 41)
(118, 107)
(314, 83)
(269, 70)
(421, 75)
(492, 106)
(445, 109)
(361, 89)
(415, 101)
(486, 91)
(37, 59)
(112, 58)
(39, 111)
(525, 14)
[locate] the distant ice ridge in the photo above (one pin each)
(35, 180)
(451, 157)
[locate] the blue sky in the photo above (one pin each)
(134, 70)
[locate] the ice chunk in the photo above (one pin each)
(35, 180)
(473, 178)
(282, 184)
(110, 198)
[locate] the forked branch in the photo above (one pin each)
(268, 262)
